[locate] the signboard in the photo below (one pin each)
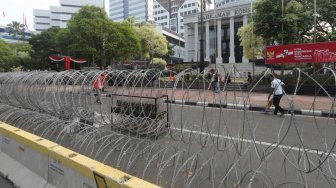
(224, 13)
(301, 53)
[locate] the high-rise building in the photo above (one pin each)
(170, 13)
(58, 16)
(141, 10)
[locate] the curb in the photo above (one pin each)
(305, 112)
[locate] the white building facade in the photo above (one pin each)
(142, 10)
(170, 13)
(58, 16)
(220, 27)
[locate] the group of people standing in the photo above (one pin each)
(216, 79)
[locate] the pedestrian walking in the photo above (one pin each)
(277, 92)
(98, 85)
(249, 78)
(215, 80)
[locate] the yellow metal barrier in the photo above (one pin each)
(104, 176)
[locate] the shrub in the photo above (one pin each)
(158, 63)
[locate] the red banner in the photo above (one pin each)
(301, 53)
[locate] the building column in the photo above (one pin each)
(207, 45)
(186, 43)
(232, 58)
(219, 59)
(245, 60)
(196, 42)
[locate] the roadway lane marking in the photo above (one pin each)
(256, 142)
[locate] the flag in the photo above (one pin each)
(3, 13)
(24, 22)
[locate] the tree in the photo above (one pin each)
(326, 20)
(94, 34)
(254, 45)
(44, 44)
(16, 30)
(151, 41)
(169, 54)
(159, 63)
(295, 22)
(22, 53)
(126, 42)
(7, 57)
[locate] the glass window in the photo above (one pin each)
(189, 5)
(185, 6)
(193, 4)
(189, 12)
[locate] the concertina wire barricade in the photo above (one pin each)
(152, 132)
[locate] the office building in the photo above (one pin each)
(8, 38)
(170, 13)
(58, 16)
(141, 10)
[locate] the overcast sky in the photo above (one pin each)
(14, 10)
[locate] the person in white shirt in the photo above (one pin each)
(277, 91)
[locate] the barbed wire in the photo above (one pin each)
(174, 130)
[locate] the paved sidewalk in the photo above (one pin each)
(307, 105)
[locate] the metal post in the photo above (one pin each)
(201, 41)
(253, 58)
(215, 37)
(315, 14)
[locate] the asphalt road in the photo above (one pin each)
(249, 148)
(267, 144)
(230, 148)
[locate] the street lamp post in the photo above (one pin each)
(201, 66)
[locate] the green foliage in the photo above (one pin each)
(294, 22)
(182, 67)
(169, 54)
(7, 57)
(151, 41)
(326, 21)
(44, 44)
(93, 33)
(158, 63)
(292, 78)
(254, 45)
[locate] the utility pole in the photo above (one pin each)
(253, 42)
(282, 35)
(201, 66)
